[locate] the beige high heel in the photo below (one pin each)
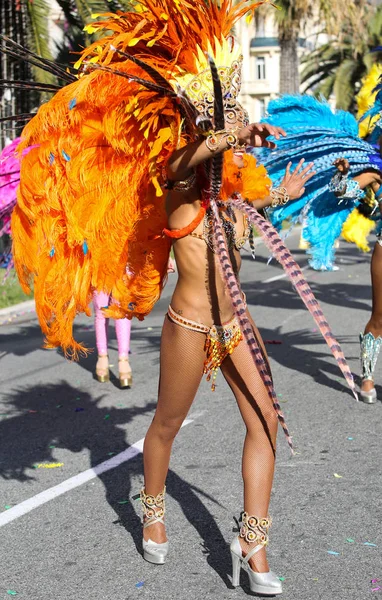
(103, 375)
(254, 531)
(153, 512)
(125, 379)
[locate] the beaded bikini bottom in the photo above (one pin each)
(221, 341)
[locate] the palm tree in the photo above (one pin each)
(25, 22)
(292, 18)
(77, 14)
(339, 66)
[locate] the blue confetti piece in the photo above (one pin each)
(51, 158)
(332, 553)
(66, 156)
(370, 544)
(350, 438)
(85, 248)
(140, 584)
(52, 252)
(72, 103)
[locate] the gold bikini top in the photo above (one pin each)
(233, 241)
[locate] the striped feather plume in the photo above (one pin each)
(281, 252)
(225, 264)
(241, 314)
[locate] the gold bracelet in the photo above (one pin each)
(215, 138)
(279, 196)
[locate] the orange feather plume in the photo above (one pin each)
(90, 210)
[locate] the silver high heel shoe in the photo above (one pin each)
(370, 348)
(254, 531)
(153, 512)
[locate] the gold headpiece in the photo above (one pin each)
(199, 87)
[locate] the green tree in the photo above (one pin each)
(292, 18)
(77, 14)
(339, 66)
(25, 22)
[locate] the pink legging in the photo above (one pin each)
(122, 327)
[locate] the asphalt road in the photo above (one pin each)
(72, 532)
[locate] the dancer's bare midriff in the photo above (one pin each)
(200, 293)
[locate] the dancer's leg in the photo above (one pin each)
(181, 369)
(374, 325)
(123, 332)
(260, 441)
(100, 300)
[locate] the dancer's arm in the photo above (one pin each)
(184, 160)
(294, 183)
(372, 178)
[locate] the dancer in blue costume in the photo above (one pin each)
(318, 134)
(345, 166)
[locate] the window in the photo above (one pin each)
(260, 67)
(262, 107)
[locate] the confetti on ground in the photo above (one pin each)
(52, 446)
(350, 540)
(315, 579)
(350, 438)
(139, 584)
(374, 580)
(370, 544)
(11, 593)
(107, 417)
(7, 506)
(123, 501)
(333, 553)
(48, 465)
(376, 589)
(282, 578)
(110, 453)
(149, 329)
(337, 476)
(59, 406)
(79, 409)
(32, 411)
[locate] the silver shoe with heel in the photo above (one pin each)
(254, 531)
(370, 349)
(153, 512)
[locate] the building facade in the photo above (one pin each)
(261, 54)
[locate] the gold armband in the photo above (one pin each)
(215, 138)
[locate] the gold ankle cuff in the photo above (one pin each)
(255, 530)
(153, 507)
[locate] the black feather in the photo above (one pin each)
(156, 76)
(148, 84)
(23, 117)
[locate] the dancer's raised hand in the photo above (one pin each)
(295, 181)
(342, 165)
(256, 135)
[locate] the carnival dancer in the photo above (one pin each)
(371, 339)
(318, 134)
(101, 301)
(348, 169)
(156, 107)
(9, 180)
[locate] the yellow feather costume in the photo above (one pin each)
(357, 227)
(90, 210)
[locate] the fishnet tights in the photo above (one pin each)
(181, 370)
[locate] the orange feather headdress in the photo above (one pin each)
(90, 208)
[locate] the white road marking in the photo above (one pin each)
(281, 276)
(73, 482)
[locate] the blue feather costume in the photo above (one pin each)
(319, 135)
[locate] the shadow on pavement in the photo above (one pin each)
(45, 417)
